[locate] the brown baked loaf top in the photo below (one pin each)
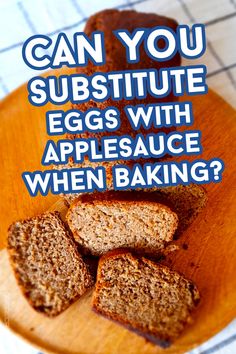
(46, 263)
(148, 298)
(101, 222)
(107, 21)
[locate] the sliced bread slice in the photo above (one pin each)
(101, 222)
(146, 297)
(46, 263)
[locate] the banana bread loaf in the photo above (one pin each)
(107, 21)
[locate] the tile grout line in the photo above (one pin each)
(216, 56)
(219, 71)
(210, 46)
(129, 3)
(220, 19)
(233, 3)
(67, 27)
(26, 16)
(78, 8)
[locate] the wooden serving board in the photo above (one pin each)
(209, 258)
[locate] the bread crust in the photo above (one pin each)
(161, 343)
(123, 196)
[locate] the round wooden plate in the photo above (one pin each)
(209, 258)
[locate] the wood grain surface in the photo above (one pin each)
(209, 259)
